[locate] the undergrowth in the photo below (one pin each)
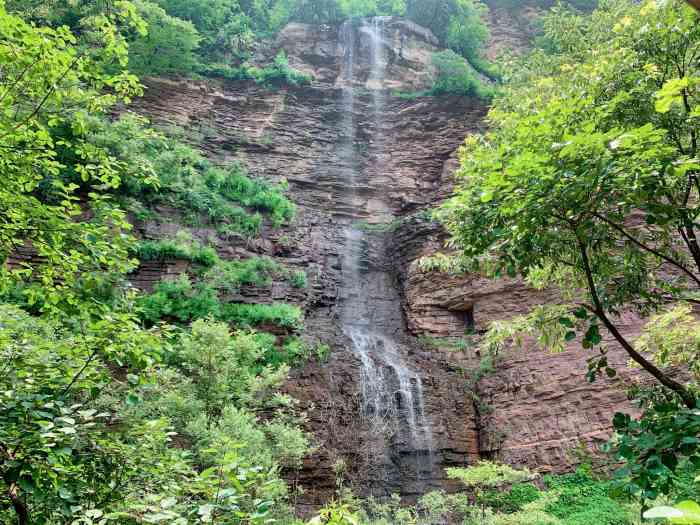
(181, 177)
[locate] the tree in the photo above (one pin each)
(588, 182)
(575, 157)
(168, 47)
(458, 24)
(52, 175)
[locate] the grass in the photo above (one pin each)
(251, 315)
(181, 301)
(183, 246)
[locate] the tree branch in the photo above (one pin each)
(678, 388)
(636, 241)
(13, 492)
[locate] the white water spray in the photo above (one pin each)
(392, 393)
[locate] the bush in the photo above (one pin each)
(179, 300)
(275, 74)
(251, 315)
(512, 500)
(181, 177)
(298, 279)
(455, 76)
(167, 48)
(229, 276)
(253, 193)
(583, 500)
(183, 246)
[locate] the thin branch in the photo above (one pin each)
(43, 100)
(636, 241)
(677, 387)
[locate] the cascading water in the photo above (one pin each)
(391, 392)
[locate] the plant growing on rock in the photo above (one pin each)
(487, 475)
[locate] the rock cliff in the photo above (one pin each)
(363, 167)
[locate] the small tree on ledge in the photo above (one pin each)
(487, 475)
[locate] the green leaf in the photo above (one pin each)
(662, 512)
(487, 196)
(669, 94)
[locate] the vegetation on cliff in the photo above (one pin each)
(103, 420)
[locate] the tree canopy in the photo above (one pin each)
(588, 181)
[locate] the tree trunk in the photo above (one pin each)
(17, 504)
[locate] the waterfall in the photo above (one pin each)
(391, 392)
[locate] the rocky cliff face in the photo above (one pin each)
(363, 166)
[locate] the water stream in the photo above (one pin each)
(392, 403)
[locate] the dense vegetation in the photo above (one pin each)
(588, 182)
(219, 37)
(103, 419)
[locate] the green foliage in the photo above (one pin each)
(298, 279)
(183, 246)
(183, 302)
(513, 499)
(101, 420)
(486, 474)
(579, 146)
(582, 5)
(226, 31)
(455, 76)
(179, 301)
(655, 447)
(458, 24)
(581, 499)
(572, 499)
(56, 449)
(181, 177)
(278, 314)
(229, 276)
(167, 48)
(275, 74)
(51, 173)
(335, 513)
(686, 512)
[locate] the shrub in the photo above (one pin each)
(183, 246)
(323, 352)
(277, 73)
(583, 500)
(253, 193)
(179, 176)
(298, 279)
(179, 300)
(251, 315)
(231, 275)
(455, 76)
(511, 500)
